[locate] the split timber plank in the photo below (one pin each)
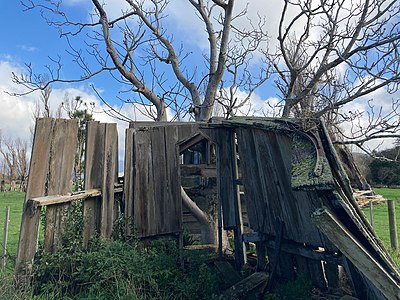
(356, 253)
(46, 157)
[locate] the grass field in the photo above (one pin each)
(13, 200)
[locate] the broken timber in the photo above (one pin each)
(357, 254)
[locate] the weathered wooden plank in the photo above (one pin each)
(110, 160)
(143, 183)
(356, 253)
(59, 199)
(63, 147)
(250, 177)
(93, 178)
(129, 176)
(47, 155)
(174, 201)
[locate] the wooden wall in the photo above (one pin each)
(151, 184)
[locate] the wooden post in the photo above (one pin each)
(392, 225)
(371, 213)
(5, 237)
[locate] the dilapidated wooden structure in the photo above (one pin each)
(300, 205)
(300, 209)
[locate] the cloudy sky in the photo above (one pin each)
(27, 39)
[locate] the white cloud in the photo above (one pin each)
(16, 113)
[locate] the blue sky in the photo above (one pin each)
(26, 38)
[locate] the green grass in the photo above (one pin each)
(13, 200)
(381, 219)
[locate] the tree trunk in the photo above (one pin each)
(208, 225)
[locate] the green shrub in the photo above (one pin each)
(300, 288)
(121, 269)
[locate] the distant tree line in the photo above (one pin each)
(385, 168)
(13, 164)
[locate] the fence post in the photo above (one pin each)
(371, 213)
(5, 237)
(392, 224)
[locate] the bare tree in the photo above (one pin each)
(117, 46)
(334, 52)
(15, 162)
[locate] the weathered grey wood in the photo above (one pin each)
(354, 218)
(50, 173)
(356, 253)
(174, 200)
(129, 177)
(100, 173)
(152, 187)
(277, 256)
(394, 242)
(5, 238)
(59, 199)
(61, 161)
(109, 179)
(255, 281)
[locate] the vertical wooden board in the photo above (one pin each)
(142, 183)
(36, 187)
(93, 178)
(226, 177)
(63, 146)
(275, 157)
(128, 196)
(250, 177)
(174, 201)
(43, 176)
(159, 217)
(62, 156)
(108, 180)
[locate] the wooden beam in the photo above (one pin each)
(356, 253)
(294, 248)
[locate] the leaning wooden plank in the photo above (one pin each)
(251, 284)
(356, 253)
(63, 146)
